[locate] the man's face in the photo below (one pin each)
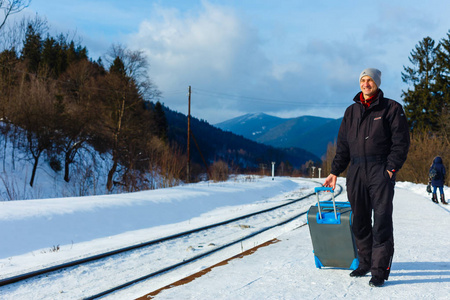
(368, 86)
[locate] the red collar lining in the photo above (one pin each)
(367, 102)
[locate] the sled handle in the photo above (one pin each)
(328, 189)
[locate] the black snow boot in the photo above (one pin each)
(434, 198)
(376, 281)
(443, 199)
(359, 272)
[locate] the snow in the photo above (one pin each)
(43, 232)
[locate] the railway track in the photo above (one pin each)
(159, 256)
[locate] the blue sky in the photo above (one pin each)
(286, 58)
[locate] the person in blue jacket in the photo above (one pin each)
(437, 177)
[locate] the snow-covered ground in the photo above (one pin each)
(44, 231)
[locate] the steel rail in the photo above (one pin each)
(35, 273)
(207, 253)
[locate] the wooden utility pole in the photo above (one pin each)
(189, 138)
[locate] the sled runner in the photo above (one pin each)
(331, 235)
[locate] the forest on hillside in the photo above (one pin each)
(56, 101)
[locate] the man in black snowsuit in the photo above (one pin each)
(374, 139)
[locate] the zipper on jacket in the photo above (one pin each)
(370, 128)
(358, 122)
(363, 143)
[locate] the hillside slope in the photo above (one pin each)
(251, 126)
(306, 132)
(217, 144)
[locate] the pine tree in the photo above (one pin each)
(442, 85)
(49, 55)
(160, 122)
(118, 68)
(422, 103)
(75, 53)
(32, 49)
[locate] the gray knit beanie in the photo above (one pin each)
(373, 73)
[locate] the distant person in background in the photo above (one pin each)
(437, 177)
(374, 139)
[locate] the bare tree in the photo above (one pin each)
(328, 159)
(79, 113)
(34, 114)
(120, 99)
(10, 7)
(128, 86)
(136, 67)
(13, 33)
(166, 163)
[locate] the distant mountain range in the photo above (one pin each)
(217, 144)
(307, 132)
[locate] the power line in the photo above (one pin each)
(266, 100)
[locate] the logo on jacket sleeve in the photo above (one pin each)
(377, 118)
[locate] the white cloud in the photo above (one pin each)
(205, 46)
(231, 54)
(211, 49)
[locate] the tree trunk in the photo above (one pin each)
(66, 167)
(33, 173)
(109, 183)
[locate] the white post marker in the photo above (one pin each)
(320, 170)
(273, 169)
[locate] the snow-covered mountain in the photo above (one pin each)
(307, 132)
(251, 126)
